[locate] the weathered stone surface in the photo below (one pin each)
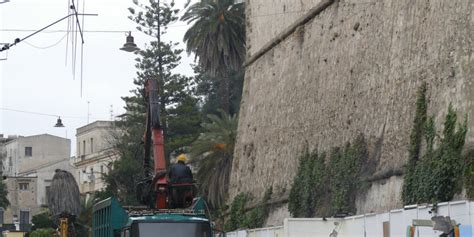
(354, 68)
(267, 18)
(275, 217)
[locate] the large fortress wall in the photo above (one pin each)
(267, 18)
(352, 69)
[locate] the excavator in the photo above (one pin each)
(169, 209)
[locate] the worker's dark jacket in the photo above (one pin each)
(180, 172)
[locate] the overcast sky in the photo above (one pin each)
(35, 78)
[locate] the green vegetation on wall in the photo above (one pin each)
(239, 218)
(438, 174)
(318, 184)
(416, 137)
(469, 174)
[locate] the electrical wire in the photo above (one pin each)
(62, 31)
(50, 115)
(122, 31)
(67, 30)
(82, 46)
(46, 47)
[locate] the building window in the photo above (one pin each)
(48, 190)
(28, 151)
(101, 169)
(24, 217)
(23, 186)
(84, 147)
(92, 176)
(2, 211)
(92, 145)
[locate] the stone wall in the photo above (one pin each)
(352, 69)
(267, 18)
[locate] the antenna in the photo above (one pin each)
(111, 112)
(88, 103)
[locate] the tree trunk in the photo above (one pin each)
(224, 91)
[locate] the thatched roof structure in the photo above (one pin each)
(64, 196)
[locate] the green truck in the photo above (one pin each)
(110, 219)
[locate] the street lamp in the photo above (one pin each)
(130, 45)
(59, 123)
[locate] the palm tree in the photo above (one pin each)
(217, 39)
(213, 151)
(84, 220)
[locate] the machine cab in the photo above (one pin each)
(167, 225)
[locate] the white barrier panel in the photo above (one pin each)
(471, 214)
(424, 214)
(352, 227)
(395, 223)
(240, 233)
(397, 227)
(459, 211)
(304, 227)
(371, 224)
(266, 232)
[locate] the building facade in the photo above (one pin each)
(28, 163)
(23, 201)
(44, 175)
(25, 153)
(95, 154)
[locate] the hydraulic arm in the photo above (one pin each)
(154, 136)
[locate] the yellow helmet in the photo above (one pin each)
(182, 157)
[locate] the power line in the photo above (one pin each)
(88, 31)
(125, 31)
(46, 47)
(45, 114)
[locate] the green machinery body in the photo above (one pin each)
(110, 219)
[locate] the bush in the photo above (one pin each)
(44, 232)
(42, 221)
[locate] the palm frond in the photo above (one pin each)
(214, 151)
(64, 194)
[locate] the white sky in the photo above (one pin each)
(38, 80)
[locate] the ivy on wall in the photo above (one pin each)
(434, 175)
(438, 174)
(469, 174)
(239, 218)
(416, 137)
(318, 184)
(307, 182)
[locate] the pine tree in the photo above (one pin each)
(4, 203)
(179, 112)
(178, 105)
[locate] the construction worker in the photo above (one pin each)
(180, 172)
(180, 176)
